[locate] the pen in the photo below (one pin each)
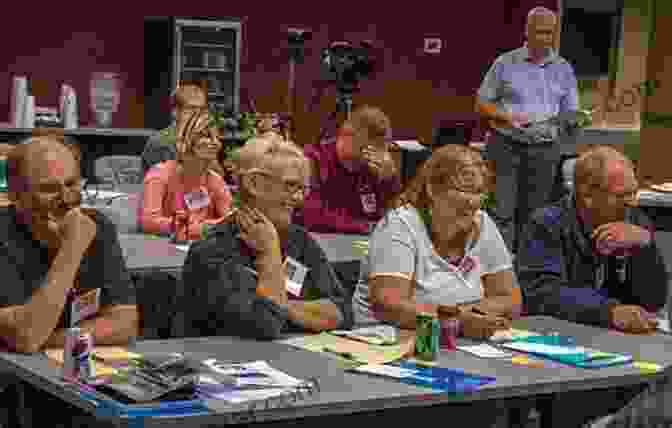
(346, 355)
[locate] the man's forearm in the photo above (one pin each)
(500, 305)
(114, 326)
(315, 316)
(270, 280)
(490, 111)
(36, 320)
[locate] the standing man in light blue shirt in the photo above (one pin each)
(522, 88)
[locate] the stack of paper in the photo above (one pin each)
(573, 355)
(376, 335)
(511, 334)
(108, 358)
(228, 384)
(356, 351)
(438, 378)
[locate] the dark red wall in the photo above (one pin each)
(414, 88)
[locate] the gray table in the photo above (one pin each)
(144, 253)
(344, 393)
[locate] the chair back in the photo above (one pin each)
(156, 294)
(118, 170)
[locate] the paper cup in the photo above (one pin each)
(19, 94)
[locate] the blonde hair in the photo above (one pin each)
(371, 119)
(444, 165)
(188, 92)
(590, 170)
(540, 11)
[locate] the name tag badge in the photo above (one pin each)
(84, 305)
(369, 203)
(196, 200)
(296, 275)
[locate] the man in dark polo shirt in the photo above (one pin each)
(49, 246)
(257, 275)
(591, 258)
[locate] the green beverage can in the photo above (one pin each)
(3, 174)
(427, 334)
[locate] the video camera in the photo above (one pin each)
(346, 64)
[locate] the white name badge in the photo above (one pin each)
(84, 305)
(296, 275)
(369, 203)
(196, 200)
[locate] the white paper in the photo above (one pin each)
(664, 325)
(101, 194)
(184, 248)
(485, 351)
(376, 335)
(385, 370)
(242, 396)
(541, 348)
(273, 377)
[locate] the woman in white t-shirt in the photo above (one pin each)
(436, 250)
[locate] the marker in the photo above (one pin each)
(346, 355)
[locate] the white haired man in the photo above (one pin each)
(523, 86)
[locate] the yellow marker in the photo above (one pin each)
(647, 366)
(525, 361)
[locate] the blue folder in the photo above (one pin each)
(443, 378)
(109, 407)
(570, 355)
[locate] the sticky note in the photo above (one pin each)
(525, 361)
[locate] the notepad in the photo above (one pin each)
(573, 355)
(363, 353)
(437, 378)
(511, 334)
(485, 351)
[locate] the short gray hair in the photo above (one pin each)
(590, 169)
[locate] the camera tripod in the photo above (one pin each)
(343, 105)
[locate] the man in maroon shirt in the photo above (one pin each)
(351, 177)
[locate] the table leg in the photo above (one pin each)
(569, 409)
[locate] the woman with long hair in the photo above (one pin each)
(187, 186)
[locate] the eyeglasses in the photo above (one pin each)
(289, 188)
(465, 200)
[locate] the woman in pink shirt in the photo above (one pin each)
(187, 186)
